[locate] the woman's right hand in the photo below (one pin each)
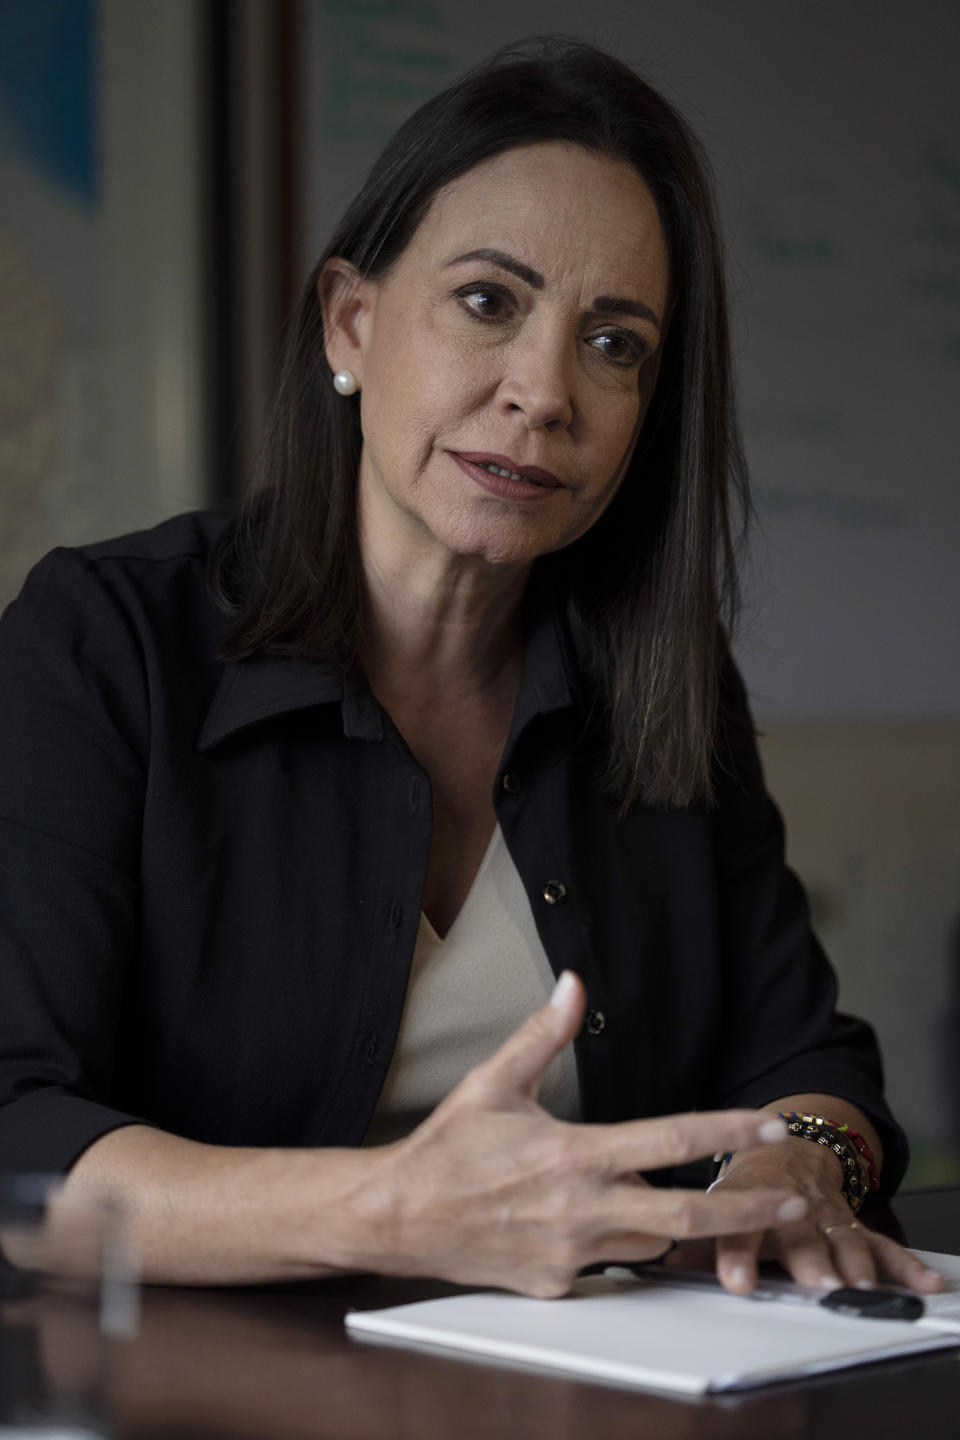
(492, 1190)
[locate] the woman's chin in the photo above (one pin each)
(505, 541)
(499, 552)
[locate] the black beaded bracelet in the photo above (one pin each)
(856, 1185)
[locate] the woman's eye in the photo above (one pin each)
(487, 302)
(619, 346)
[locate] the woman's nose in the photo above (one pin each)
(538, 383)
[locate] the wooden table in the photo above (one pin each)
(277, 1364)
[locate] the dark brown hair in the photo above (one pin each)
(649, 588)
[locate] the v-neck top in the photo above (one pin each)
(468, 992)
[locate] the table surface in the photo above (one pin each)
(276, 1364)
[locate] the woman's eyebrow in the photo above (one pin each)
(606, 304)
(506, 262)
(613, 304)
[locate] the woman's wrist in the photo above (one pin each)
(859, 1172)
(856, 1166)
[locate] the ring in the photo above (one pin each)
(841, 1225)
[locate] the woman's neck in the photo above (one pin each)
(444, 624)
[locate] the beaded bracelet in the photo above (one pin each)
(860, 1174)
(865, 1153)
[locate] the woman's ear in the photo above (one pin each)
(346, 303)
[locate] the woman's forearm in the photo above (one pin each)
(218, 1215)
(203, 1214)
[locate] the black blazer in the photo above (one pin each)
(211, 878)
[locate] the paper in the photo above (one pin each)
(943, 1310)
(639, 1333)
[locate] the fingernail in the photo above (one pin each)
(562, 990)
(830, 1282)
(739, 1277)
(771, 1131)
(793, 1209)
(864, 1284)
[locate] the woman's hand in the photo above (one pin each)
(492, 1190)
(827, 1248)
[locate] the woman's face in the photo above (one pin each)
(521, 331)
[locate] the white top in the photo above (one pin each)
(467, 993)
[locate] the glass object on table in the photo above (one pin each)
(68, 1298)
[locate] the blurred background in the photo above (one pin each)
(168, 173)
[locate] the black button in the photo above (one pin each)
(596, 1021)
(510, 783)
(554, 892)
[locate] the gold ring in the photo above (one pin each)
(841, 1225)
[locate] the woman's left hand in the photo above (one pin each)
(828, 1248)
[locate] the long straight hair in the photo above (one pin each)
(651, 587)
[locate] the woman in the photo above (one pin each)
(288, 872)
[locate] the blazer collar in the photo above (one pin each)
(265, 686)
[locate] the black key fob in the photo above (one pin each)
(874, 1304)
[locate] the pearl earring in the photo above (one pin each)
(345, 382)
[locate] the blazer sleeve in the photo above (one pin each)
(782, 1032)
(74, 734)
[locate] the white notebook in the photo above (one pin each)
(656, 1336)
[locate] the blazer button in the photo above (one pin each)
(595, 1022)
(554, 893)
(510, 783)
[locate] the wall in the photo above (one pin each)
(871, 811)
(101, 360)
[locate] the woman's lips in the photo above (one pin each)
(536, 483)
